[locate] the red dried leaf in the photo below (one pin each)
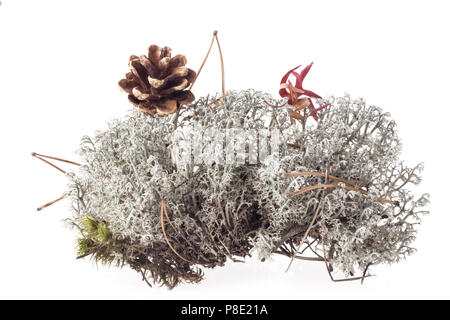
(294, 93)
(283, 84)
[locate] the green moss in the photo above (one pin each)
(83, 246)
(96, 241)
(93, 230)
(104, 234)
(88, 225)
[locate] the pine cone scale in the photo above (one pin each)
(183, 83)
(166, 52)
(127, 85)
(140, 95)
(183, 97)
(177, 61)
(154, 54)
(163, 65)
(151, 69)
(156, 83)
(166, 106)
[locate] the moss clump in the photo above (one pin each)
(96, 241)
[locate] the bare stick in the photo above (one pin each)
(145, 278)
(49, 163)
(329, 271)
(221, 62)
(168, 219)
(41, 157)
(313, 173)
(34, 154)
(274, 106)
(364, 273)
(218, 99)
(306, 233)
(314, 251)
(309, 244)
(84, 255)
(164, 211)
(318, 186)
(204, 60)
(51, 202)
(300, 257)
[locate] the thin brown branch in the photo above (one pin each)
(320, 174)
(221, 62)
(299, 257)
(203, 62)
(51, 202)
(145, 278)
(164, 211)
(314, 251)
(327, 178)
(318, 186)
(84, 255)
(306, 233)
(168, 219)
(274, 106)
(34, 154)
(49, 163)
(365, 272)
(329, 271)
(308, 245)
(218, 99)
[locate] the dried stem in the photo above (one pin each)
(306, 233)
(34, 154)
(329, 271)
(49, 163)
(365, 272)
(168, 219)
(206, 57)
(308, 245)
(41, 157)
(299, 257)
(164, 211)
(51, 202)
(218, 99)
(320, 174)
(203, 62)
(145, 278)
(318, 186)
(221, 62)
(274, 106)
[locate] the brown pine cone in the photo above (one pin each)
(157, 83)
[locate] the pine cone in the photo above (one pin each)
(157, 83)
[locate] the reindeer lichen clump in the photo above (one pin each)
(345, 170)
(162, 213)
(168, 220)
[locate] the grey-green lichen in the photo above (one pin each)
(359, 144)
(227, 210)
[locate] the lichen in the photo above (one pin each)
(358, 143)
(218, 211)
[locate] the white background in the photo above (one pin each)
(59, 66)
